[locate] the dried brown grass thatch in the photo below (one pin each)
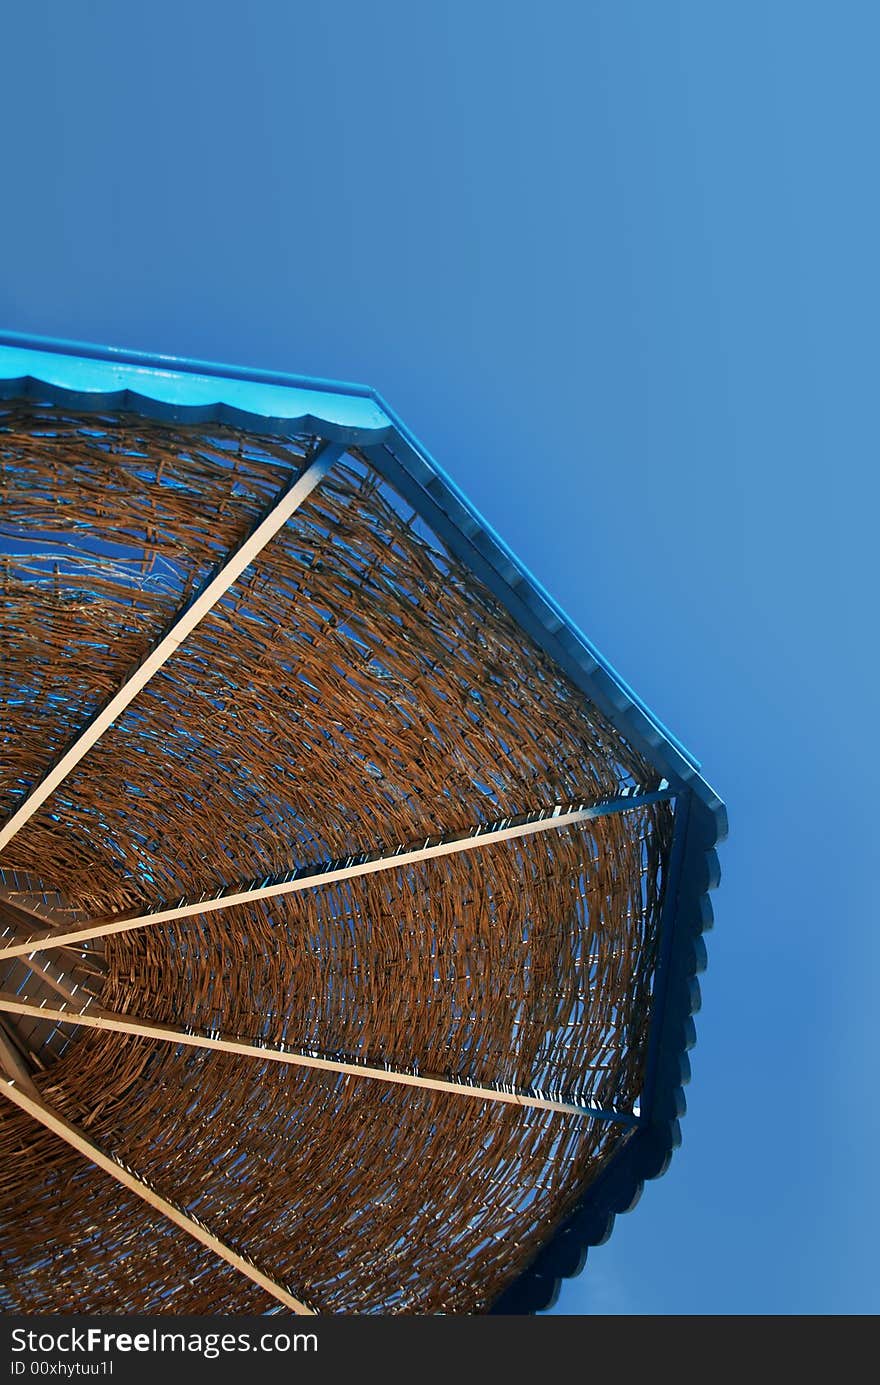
(355, 690)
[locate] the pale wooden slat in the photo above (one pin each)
(73, 1136)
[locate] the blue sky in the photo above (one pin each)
(616, 264)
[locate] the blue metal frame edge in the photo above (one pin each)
(471, 540)
(187, 391)
(463, 515)
(91, 351)
(647, 1152)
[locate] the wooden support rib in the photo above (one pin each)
(78, 1140)
(345, 868)
(24, 917)
(14, 1065)
(54, 976)
(182, 626)
(95, 1018)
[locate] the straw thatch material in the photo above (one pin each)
(356, 689)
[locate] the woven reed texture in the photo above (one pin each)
(356, 689)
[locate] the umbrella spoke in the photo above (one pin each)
(12, 1062)
(94, 1017)
(183, 624)
(342, 868)
(47, 1116)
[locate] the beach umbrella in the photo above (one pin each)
(351, 905)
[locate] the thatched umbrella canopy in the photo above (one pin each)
(350, 903)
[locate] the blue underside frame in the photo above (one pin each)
(82, 376)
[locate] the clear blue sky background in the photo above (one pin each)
(617, 265)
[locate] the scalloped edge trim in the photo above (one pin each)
(176, 396)
(648, 1152)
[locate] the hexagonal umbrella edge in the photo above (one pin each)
(174, 390)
